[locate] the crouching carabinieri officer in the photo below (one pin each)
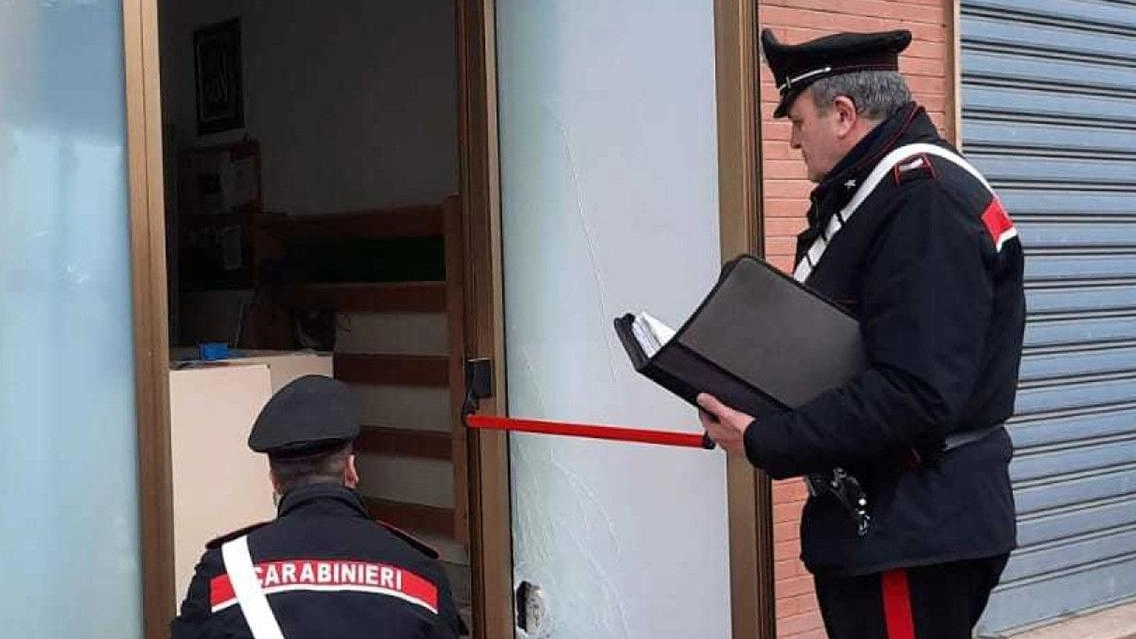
(323, 567)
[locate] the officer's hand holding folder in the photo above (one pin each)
(760, 342)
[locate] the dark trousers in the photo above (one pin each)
(942, 601)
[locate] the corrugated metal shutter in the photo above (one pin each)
(1049, 115)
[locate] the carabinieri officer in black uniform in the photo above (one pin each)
(323, 567)
(911, 517)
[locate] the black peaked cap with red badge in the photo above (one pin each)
(796, 66)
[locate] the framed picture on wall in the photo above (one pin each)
(217, 65)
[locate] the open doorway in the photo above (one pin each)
(478, 180)
(315, 163)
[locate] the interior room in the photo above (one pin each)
(313, 224)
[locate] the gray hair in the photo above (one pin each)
(876, 94)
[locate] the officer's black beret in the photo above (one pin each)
(311, 415)
(796, 66)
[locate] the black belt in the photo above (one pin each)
(847, 490)
(958, 440)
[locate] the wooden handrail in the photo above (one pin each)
(454, 232)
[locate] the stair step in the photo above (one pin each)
(383, 297)
(405, 442)
(417, 519)
(402, 370)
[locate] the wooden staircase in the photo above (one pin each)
(401, 345)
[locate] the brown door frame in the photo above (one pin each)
(151, 344)
(748, 492)
(491, 533)
(491, 555)
(489, 496)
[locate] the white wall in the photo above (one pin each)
(609, 169)
(354, 101)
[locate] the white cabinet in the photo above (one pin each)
(219, 484)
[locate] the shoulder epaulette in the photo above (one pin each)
(414, 542)
(916, 167)
(217, 542)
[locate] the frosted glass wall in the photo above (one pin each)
(69, 547)
(609, 177)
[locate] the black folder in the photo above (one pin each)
(760, 342)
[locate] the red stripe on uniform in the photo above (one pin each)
(996, 220)
(897, 605)
(220, 591)
(421, 589)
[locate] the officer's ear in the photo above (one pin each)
(845, 115)
(275, 482)
(350, 475)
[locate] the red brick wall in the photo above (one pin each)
(926, 64)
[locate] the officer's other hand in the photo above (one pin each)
(729, 429)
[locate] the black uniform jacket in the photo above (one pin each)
(942, 313)
(328, 570)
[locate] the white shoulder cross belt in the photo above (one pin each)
(254, 605)
(885, 166)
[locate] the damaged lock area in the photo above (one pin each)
(532, 612)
